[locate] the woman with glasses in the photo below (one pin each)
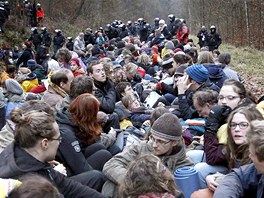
(237, 149)
(36, 140)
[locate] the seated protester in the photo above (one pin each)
(63, 57)
(119, 74)
(37, 138)
(27, 79)
(37, 69)
(216, 74)
(138, 113)
(195, 78)
(109, 71)
(7, 132)
(105, 93)
(123, 89)
(84, 110)
(145, 62)
(246, 181)
(224, 61)
(35, 186)
(8, 73)
(156, 39)
(148, 169)
(166, 143)
(155, 57)
(237, 151)
(132, 74)
(169, 46)
(58, 87)
(79, 138)
(76, 68)
(13, 93)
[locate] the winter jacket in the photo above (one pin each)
(115, 169)
(69, 152)
(245, 182)
(59, 40)
(214, 152)
(213, 41)
(186, 104)
(6, 135)
(216, 74)
(25, 56)
(51, 97)
(15, 162)
(106, 95)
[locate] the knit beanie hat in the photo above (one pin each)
(155, 48)
(167, 64)
(168, 127)
(198, 73)
(169, 45)
(13, 86)
(76, 60)
(31, 63)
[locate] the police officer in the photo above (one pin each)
(213, 39)
(58, 40)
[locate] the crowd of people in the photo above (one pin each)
(113, 113)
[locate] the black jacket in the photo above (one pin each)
(186, 104)
(25, 56)
(15, 162)
(69, 152)
(106, 95)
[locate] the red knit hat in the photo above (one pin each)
(155, 48)
(76, 60)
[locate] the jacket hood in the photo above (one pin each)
(215, 71)
(13, 167)
(64, 117)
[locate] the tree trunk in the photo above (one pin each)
(77, 11)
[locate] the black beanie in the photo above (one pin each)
(168, 127)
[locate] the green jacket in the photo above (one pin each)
(115, 169)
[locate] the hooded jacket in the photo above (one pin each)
(69, 151)
(216, 74)
(15, 162)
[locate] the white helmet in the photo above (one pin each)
(162, 22)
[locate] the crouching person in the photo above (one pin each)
(165, 142)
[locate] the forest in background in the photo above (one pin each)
(240, 22)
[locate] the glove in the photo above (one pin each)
(217, 117)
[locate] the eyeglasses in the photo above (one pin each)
(242, 125)
(158, 141)
(58, 139)
(228, 97)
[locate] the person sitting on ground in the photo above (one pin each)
(27, 79)
(224, 61)
(58, 87)
(146, 170)
(76, 67)
(216, 74)
(195, 78)
(37, 69)
(105, 93)
(37, 138)
(35, 186)
(246, 180)
(166, 143)
(138, 113)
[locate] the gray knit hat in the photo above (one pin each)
(13, 86)
(168, 127)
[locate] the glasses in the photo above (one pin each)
(158, 141)
(228, 97)
(242, 125)
(58, 139)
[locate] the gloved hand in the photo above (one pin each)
(217, 117)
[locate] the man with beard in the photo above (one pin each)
(165, 142)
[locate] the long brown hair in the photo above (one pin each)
(145, 175)
(240, 152)
(84, 111)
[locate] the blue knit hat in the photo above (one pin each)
(31, 63)
(198, 73)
